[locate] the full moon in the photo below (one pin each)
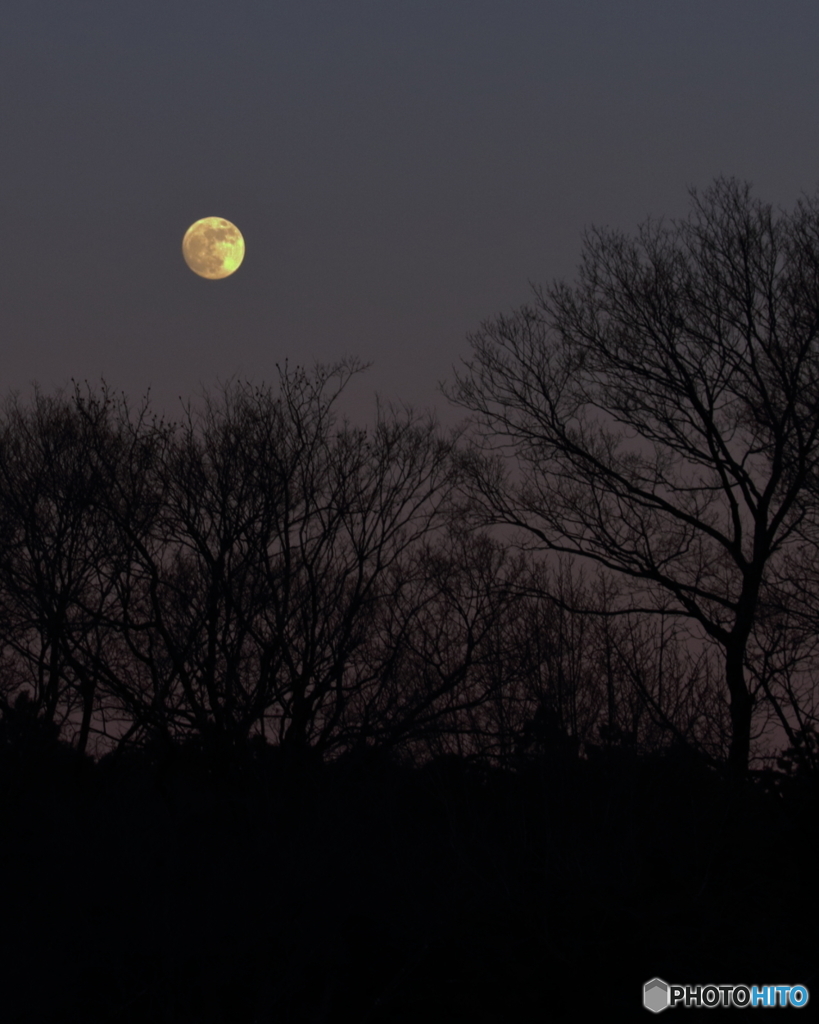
(213, 248)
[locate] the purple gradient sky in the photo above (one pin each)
(400, 171)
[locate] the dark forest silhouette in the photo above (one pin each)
(289, 732)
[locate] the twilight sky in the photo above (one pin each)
(400, 170)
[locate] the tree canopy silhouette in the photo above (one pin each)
(663, 413)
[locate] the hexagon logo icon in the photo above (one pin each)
(655, 995)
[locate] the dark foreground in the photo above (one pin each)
(367, 892)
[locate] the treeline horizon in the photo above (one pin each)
(306, 720)
(264, 571)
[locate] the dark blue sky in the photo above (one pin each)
(400, 170)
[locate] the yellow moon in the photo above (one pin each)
(213, 248)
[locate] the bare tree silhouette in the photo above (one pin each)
(56, 552)
(663, 414)
(260, 536)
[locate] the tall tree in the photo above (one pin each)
(662, 415)
(262, 533)
(54, 557)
